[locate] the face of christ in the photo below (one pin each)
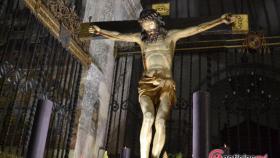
(150, 26)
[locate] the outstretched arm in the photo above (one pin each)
(133, 37)
(178, 34)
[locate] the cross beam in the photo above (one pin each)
(132, 26)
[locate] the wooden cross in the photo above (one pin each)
(240, 26)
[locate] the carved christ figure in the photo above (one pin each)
(156, 87)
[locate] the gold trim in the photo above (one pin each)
(204, 47)
(54, 25)
(162, 8)
(229, 40)
(241, 24)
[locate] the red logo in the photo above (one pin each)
(260, 156)
(216, 153)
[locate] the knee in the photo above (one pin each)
(148, 117)
(160, 123)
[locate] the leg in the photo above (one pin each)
(148, 110)
(162, 115)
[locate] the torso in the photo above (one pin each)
(158, 57)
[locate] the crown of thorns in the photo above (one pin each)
(150, 14)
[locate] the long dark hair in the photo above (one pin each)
(151, 14)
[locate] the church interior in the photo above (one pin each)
(66, 93)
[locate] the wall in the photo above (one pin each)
(97, 81)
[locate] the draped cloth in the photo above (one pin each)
(155, 86)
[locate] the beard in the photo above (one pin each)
(152, 36)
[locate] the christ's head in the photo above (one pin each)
(152, 25)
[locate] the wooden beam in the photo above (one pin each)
(181, 23)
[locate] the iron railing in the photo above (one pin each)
(34, 66)
(244, 90)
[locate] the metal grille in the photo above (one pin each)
(34, 66)
(244, 105)
(244, 88)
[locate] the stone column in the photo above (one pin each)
(97, 80)
(88, 107)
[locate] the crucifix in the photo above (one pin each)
(156, 87)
